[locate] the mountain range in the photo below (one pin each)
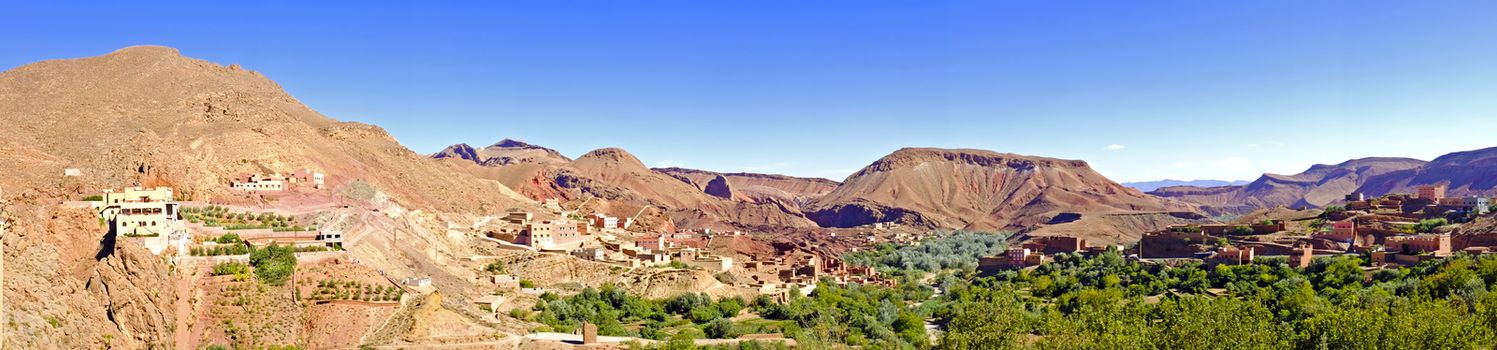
(1148, 186)
(149, 116)
(920, 187)
(1465, 173)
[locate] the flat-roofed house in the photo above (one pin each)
(1432, 193)
(258, 183)
(145, 212)
(1438, 244)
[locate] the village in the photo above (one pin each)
(183, 230)
(1393, 230)
(273, 210)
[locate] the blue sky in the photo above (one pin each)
(1141, 90)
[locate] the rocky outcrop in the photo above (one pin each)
(504, 152)
(459, 151)
(62, 291)
(758, 188)
(719, 188)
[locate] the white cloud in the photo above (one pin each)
(1114, 147)
(1252, 145)
(667, 164)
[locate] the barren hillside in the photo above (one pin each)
(148, 115)
(761, 188)
(615, 182)
(1316, 187)
(975, 189)
(1465, 173)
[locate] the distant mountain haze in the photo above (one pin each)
(1147, 186)
(1465, 173)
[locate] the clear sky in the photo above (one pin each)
(1142, 90)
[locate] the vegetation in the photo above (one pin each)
(859, 315)
(274, 263)
(954, 251)
(1241, 230)
(228, 238)
(617, 313)
(230, 268)
(354, 290)
(219, 216)
(1108, 301)
(1086, 302)
(1429, 225)
(1103, 302)
(94, 198)
(496, 267)
(233, 249)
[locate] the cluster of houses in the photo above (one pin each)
(1037, 251)
(591, 238)
(155, 215)
(278, 182)
(1383, 227)
(1428, 201)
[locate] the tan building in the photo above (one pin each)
(1438, 244)
(258, 183)
(139, 211)
(1303, 255)
(519, 217)
(604, 221)
(145, 212)
(1431, 193)
(549, 233)
(1232, 256)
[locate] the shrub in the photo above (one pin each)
(228, 238)
(496, 267)
(720, 328)
(230, 268)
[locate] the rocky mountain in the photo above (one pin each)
(1318, 186)
(615, 182)
(506, 152)
(1147, 186)
(760, 188)
(1464, 173)
(148, 115)
(978, 190)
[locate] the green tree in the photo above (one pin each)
(720, 328)
(273, 264)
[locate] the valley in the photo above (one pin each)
(161, 201)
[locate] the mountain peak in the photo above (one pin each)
(146, 51)
(612, 155)
(512, 143)
(912, 156)
(460, 151)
